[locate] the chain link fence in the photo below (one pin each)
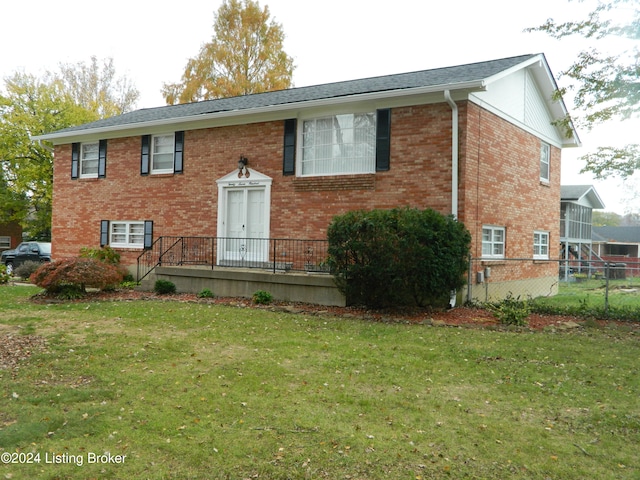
(593, 282)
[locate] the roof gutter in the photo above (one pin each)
(454, 153)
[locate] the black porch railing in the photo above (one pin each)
(274, 254)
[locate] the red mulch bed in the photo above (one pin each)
(459, 316)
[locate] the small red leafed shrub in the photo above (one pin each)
(77, 274)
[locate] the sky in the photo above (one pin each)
(150, 42)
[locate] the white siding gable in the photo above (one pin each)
(517, 98)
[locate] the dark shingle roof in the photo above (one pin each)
(449, 76)
(574, 193)
(616, 234)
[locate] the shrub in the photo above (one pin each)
(75, 274)
(105, 254)
(25, 269)
(261, 297)
(164, 287)
(4, 276)
(511, 311)
(129, 278)
(205, 293)
(403, 256)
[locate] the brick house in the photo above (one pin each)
(10, 235)
(619, 246)
(475, 141)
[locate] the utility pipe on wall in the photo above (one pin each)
(454, 153)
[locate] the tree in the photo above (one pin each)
(32, 106)
(605, 219)
(244, 56)
(606, 86)
(13, 207)
(96, 87)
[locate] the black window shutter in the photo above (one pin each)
(75, 160)
(383, 140)
(289, 156)
(145, 155)
(178, 153)
(104, 232)
(148, 234)
(102, 159)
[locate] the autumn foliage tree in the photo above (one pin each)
(244, 56)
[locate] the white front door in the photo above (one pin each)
(245, 235)
(243, 218)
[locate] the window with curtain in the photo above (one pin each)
(339, 144)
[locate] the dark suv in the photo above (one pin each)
(34, 251)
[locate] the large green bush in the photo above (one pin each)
(403, 256)
(76, 274)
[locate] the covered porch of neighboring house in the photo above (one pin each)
(289, 269)
(619, 245)
(577, 203)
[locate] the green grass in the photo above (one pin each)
(199, 391)
(587, 298)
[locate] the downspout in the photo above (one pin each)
(454, 153)
(454, 171)
(46, 147)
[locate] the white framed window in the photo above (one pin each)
(162, 149)
(89, 159)
(545, 155)
(338, 144)
(493, 240)
(5, 243)
(541, 245)
(126, 234)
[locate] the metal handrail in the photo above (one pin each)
(274, 254)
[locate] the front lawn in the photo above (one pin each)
(193, 390)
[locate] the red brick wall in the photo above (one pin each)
(12, 230)
(420, 176)
(500, 186)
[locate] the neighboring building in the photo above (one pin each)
(619, 245)
(10, 235)
(476, 141)
(576, 212)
